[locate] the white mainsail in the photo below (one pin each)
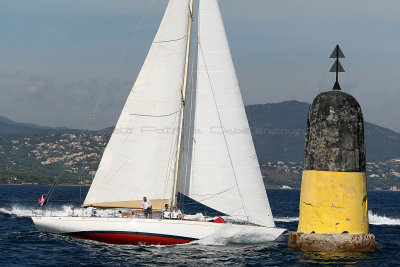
(140, 157)
(220, 167)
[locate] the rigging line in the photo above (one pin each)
(223, 132)
(120, 59)
(53, 186)
(154, 116)
(81, 173)
(57, 179)
(104, 89)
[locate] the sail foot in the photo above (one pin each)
(157, 204)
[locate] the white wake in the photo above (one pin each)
(19, 211)
(374, 219)
(382, 220)
(286, 219)
(240, 234)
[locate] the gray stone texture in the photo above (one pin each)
(332, 242)
(335, 134)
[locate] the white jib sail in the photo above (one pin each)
(220, 167)
(140, 157)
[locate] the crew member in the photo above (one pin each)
(147, 207)
(71, 212)
(90, 211)
(176, 213)
(166, 212)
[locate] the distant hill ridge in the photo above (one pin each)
(8, 126)
(278, 131)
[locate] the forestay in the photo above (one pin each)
(220, 167)
(140, 157)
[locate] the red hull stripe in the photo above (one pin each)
(133, 238)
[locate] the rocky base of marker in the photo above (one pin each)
(332, 242)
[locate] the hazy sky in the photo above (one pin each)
(57, 56)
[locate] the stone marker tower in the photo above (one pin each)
(333, 200)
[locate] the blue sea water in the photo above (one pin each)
(21, 244)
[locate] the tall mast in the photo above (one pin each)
(178, 151)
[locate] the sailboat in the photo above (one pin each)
(172, 137)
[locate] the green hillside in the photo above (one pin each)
(35, 154)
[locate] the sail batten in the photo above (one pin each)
(221, 167)
(140, 157)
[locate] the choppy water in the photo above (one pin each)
(21, 244)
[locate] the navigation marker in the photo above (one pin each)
(333, 199)
(337, 67)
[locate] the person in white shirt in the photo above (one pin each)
(90, 212)
(147, 207)
(176, 214)
(166, 212)
(71, 212)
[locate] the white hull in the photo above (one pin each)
(142, 231)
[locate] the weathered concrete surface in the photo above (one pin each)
(335, 134)
(332, 242)
(333, 203)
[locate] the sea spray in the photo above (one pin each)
(374, 219)
(286, 219)
(382, 220)
(237, 234)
